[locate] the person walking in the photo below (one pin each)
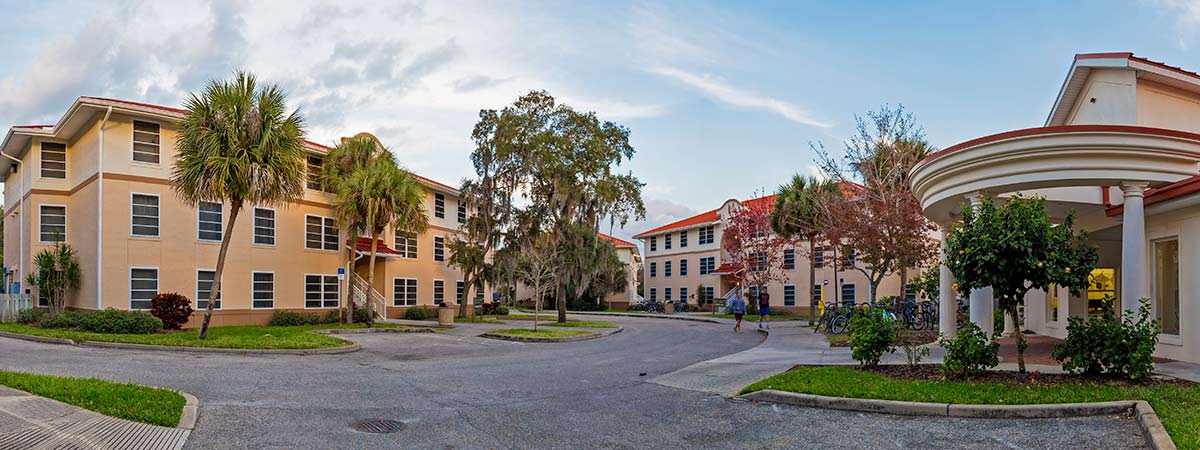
(764, 309)
(737, 307)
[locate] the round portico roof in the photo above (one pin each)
(1059, 156)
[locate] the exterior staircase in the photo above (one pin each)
(364, 294)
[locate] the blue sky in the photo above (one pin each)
(722, 98)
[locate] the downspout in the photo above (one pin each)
(100, 216)
(20, 219)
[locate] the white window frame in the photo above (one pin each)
(460, 287)
(462, 212)
(253, 289)
(336, 283)
(311, 179)
(683, 239)
(654, 244)
(667, 241)
(157, 215)
(129, 285)
(434, 291)
(64, 225)
(1154, 287)
(654, 294)
(324, 235)
(683, 267)
(667, 269)
(274, 226)
(666, 294)
(785, 294)
(200, 298)
(683, 293)
(842, 292)
(439, 205)
(792, 253)
(66, 170)
(654, 269)
(412, 243)
(439, 249)
(133, 143)
(710, 294)
(416, 292)
(708, 232)
(220, 232)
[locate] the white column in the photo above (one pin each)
(983, 313)
(1133, 246)
(947, 307)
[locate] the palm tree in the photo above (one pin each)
(372, 193)
(238, 144)
(56, 271)
(796, 213)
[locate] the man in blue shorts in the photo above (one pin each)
(764, 309)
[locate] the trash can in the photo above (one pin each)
(669, 308)
(445, 314)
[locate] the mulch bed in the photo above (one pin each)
(933, 372)
(915, 337)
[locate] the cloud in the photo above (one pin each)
(1187, 18)
(659, 212)
(734, 96)
(475, 83)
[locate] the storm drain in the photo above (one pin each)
(378, 426)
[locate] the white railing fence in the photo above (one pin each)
(12, 304)
(375, 301)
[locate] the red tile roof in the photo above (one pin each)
(698, 219)
(616, 241)
(145, 105)
(727, 268)
(1130, 56)
(363, 245)
(1186, 186)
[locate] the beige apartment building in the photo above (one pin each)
(627, 252)
(99, 179)
(685, 258)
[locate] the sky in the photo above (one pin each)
(722, 99)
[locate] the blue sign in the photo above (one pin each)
(341, 271)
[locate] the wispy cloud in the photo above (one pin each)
(1187, 18)
(720, 90)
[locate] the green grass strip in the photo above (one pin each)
(1177, 406)
(549, 334)
(235, 337)
(155, 406)
(583, 324)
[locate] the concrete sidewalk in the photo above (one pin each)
(32, 422)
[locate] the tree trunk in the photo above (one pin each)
(462, 303)
(812, 282)
(903, 285)
(234, 208)
(537, 306)
(561, 303)
(371, 276)
(1019, 337)
(837, 293)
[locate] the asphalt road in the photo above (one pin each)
(455, 390)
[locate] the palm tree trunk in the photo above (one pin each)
(371, 277)
(348, 317)
(234, 208)
(562, 303)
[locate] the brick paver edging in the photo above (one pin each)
(353, 347)
(1152, 428)
(586, 337)
(648, 316)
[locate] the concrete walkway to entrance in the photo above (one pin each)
(29, 421)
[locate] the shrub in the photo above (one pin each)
(172, 309)
(1105, 344)
(636, 307)
(115, 321)
(65, 319)
(969, 353)
(914, 352)
(587, 303)
(294, 319)
(420, 313)
(362, 315)
(871, 335)
(29, 316)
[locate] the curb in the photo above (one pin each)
(648, 316)
(354, 347)
(31, 338)
(586, 337)
(1152, 429)
(191, 411)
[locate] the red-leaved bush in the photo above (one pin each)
(172, 309)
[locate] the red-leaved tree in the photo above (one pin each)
(755, 252)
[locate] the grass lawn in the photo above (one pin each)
(583, 324)
(551, 333)
(121, 400)
(239, 337)
(478, 319)
(1177, 406)
(754, 317)
(529, 317)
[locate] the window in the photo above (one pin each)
(439, 291)
(848, 293)
(789, 295)
(706, 235)
(753, 297)
(851, 255)
(320, 291)
(909, 292)
(52, 223)
(666, 294)
(479, 294)
(654, 244)
(1052, 303)
(683, 267)
(439, 248)
(708, 264)
(709, 293)
(54, 160)
(667, 242)
(143, 286)
(145, 142)
(144, 215)
(789, 259)
(406, 244)
(683, 294)
(653, 269)
(1166, 284)
(654, 294)
(208, 225)
(666, 268)
(404, 292)
(204, 284)
(262, 293)
(683, 239)
(439, 205)
(462, 213)
(816, 294)
(264, 226)
(758, 262)
(314, 166)
(458, 291)
(818, 257)
(320, 233)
